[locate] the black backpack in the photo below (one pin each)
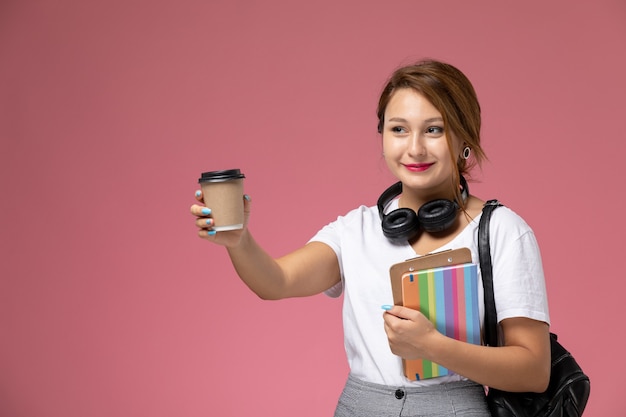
(569, 388)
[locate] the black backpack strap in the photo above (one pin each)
(484, 256)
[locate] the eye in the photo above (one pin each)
(435, 130)
(398, 129)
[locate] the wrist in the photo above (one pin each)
(433, 342)
(239, 244)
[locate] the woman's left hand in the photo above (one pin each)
(409, 332)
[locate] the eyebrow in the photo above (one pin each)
(403, 120)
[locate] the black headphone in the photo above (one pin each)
(404, 224)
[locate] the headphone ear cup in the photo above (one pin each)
(401, 224)
(437, 215)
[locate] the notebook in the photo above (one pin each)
(448, 297)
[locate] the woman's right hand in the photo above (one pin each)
(204, 222)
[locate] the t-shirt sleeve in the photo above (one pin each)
(331, 236)
(518, 278)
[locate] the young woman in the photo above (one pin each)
(429, 119)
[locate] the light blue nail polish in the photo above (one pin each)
(386, 307)
(198, 193)
(209, 221)
(212, 232)
(206, 211)
(247, 197)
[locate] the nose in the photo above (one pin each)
(416, 145)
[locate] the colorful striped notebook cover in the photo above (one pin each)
(448, 296)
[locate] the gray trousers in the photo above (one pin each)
(364, 399)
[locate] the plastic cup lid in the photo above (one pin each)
(224, 175)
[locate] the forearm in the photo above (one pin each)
(508, 368)
(257, 269)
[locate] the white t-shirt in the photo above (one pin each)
(365, 256)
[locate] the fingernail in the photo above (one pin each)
(206, 211)
(209, 221)
(247, 197)
(386, 307)
(198, 193)
(211, 232)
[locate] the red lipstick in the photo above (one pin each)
(417, 167)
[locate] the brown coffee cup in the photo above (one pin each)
(223, 194)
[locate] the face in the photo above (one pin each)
(415, 144)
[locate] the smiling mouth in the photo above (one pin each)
(417, 167)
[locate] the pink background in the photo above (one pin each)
(109, 111)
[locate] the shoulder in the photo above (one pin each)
(359, 215)
(509, 233)
(503, 216)
(506, 219)
(361, 220)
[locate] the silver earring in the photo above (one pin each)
(466, 152)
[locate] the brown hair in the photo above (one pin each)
(453, 95)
